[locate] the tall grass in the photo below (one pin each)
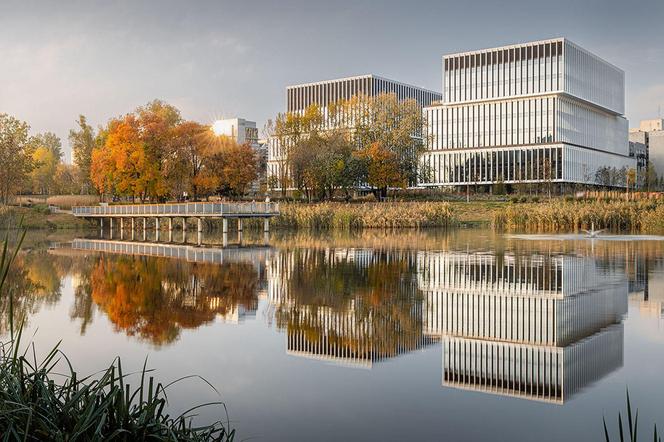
(39, 402)
(558, 215)
(365, 215)
(632, 429)
(62, 201)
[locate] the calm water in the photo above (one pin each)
(464, 335)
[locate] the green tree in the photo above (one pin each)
(82, 141)
(43, 174)
(50, 141)
(15, 156)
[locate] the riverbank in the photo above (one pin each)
(555, 215)
(639, 216)
(39, 217)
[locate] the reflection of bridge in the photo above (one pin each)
(254, 255)
(539, 327)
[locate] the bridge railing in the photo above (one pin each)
(181, 209)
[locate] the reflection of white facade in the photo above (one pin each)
(533, 112)
(353, 333)
(531, 326)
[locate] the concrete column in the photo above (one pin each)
(239, 236)
(111, 223)
(266, 225)
(156, 229)
(133, 225)
(170, 224)
(121, 224)
(224, 239)
(224, 225)
(200, 224)
(239, 224)
(101, 223)
(199, 238)
(145, 224)
(184, 224)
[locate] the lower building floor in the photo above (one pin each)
(561, 163)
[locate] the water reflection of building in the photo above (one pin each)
(374, 311)
(538, 327)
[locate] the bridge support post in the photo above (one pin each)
(145, 224)
(184, 224)
(224, 225)
(156, 229)
(101, 223)
(121, 224)
(133, 225)
(170, 225)
(266, 225)
(239, 224)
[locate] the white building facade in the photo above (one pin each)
(534, 112)
(324, 93)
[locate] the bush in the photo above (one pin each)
(535, 199)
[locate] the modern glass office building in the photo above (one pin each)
(324, 93)
(541, 111)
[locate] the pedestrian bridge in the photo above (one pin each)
(194, 210)
(184, 211)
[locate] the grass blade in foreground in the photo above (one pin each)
(35, 407)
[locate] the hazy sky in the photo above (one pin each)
(216, 59)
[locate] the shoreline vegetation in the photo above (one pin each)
(519, 213)
(45, 399)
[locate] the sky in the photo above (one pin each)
(222, 59)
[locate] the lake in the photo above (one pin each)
(413, 335)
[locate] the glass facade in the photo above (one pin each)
(521, 113)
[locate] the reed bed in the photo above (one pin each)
(559, 216)
(365, 215)
(47, 400)
(65, 202)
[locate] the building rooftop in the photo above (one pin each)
(359, 77)
(531, 43)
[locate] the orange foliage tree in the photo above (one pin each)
(382, 168)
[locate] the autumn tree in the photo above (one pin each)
(236, 167)
(185, 166)
(43, 173)
(395, 124)
(51, 142)
(66, 180)
(82, 141)
(383, 168)
(15, 156)
(286, 131)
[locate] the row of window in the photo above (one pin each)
(518, 122)
(515, 165)
(298, 98)
(529, 69)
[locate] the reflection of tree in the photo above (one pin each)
(33, 281)
(154, 298)
(353, 303)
